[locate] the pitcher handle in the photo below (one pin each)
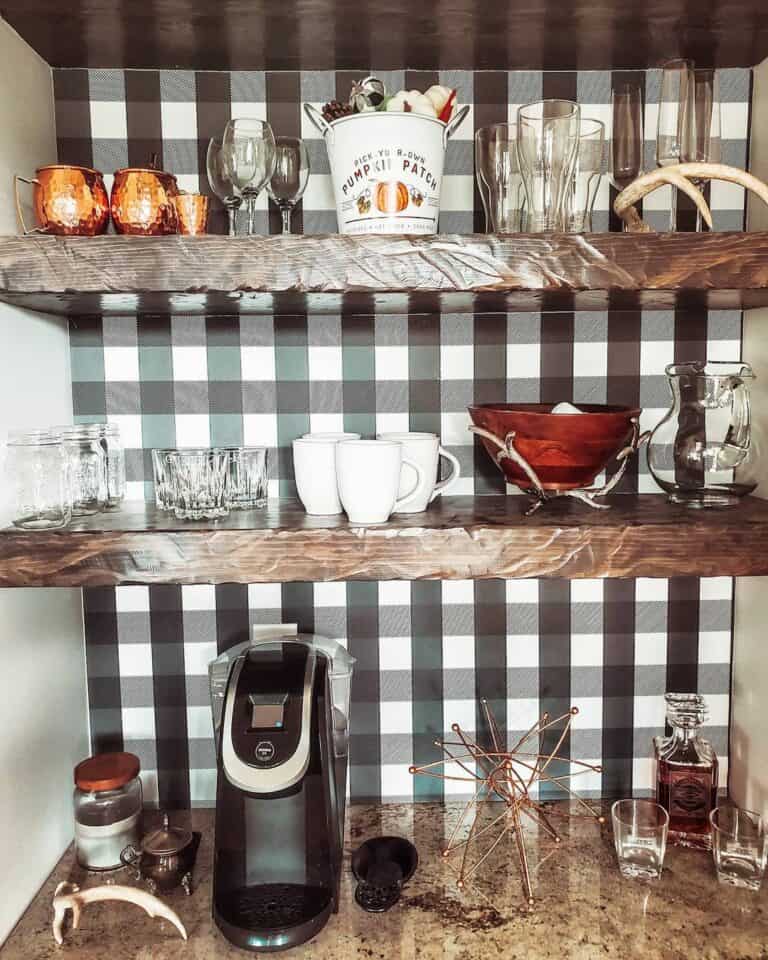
(453, 125)
(19, 214)
(421, 481)
(449, 481)
(318, 120)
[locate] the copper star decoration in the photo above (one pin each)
(507, 776)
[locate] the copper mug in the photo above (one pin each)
(68, 201)
(142, 202)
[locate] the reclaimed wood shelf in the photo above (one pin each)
(351, 34)
(457, 538)
(478, 273)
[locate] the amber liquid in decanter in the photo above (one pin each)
(686, 773)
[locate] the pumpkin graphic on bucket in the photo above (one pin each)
(391, 196)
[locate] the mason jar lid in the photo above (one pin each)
(166, 840)
(106, 771)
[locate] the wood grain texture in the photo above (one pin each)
(403, 274)
(352, 34)
(457, 538)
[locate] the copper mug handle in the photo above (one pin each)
(19, 214)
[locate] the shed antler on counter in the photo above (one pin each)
(680, 175)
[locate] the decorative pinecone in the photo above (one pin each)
(335, 110)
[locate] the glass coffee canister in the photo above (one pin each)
(703, 453)
(108, 808)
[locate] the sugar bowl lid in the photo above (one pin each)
(166, 840)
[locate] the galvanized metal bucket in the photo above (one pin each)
(386, 168)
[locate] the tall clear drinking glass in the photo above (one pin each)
(675, 75)
(701, 124)
(547, 139)
(498, 176)
(249, 153)
(626, 151)
(221, 182)
(588, 170)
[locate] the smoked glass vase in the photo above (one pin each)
(703, 454)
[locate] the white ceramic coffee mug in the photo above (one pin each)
(314, 467)
(330, 435)
(424, 449)
(368, 477)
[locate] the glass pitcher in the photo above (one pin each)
(703, 454)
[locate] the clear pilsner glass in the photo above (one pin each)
(547, 141)
(686, 772)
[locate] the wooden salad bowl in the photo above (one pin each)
(566, 450)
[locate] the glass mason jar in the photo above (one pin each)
(37, 475)
(702, 454)
(87, 463)
(114, 463)
(108, 806)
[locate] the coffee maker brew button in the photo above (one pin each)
(265, 751)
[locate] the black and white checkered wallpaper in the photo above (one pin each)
(426, 651)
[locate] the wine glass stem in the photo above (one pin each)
(232, 214)
(673, 211)
(285, 213)
(251, 216)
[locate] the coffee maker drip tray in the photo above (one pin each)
(273, 916)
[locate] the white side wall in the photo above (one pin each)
(43, 707)
(749, 719)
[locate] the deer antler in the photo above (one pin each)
(69, 896)
(676, 174)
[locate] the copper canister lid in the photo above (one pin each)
(106, 771)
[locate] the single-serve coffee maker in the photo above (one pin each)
(280, 709)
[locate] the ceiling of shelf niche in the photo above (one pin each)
(390, 34)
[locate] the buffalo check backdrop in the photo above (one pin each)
(426, 652)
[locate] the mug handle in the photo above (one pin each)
(19, 214)
(421, 482)
(449, 481)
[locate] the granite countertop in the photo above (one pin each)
(584, 910)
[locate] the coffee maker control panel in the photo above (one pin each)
(268, 715)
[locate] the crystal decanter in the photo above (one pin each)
(686, 772)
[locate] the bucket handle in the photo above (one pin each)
(317, 120)
(454, 124)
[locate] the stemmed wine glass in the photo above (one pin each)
(249, 151)
(290, 177)
(669, 127)
(626, 150)
(221, 184)
(701, 124)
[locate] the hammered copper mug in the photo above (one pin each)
(142, 202)
(67, 200)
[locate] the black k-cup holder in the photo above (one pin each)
(382, 865)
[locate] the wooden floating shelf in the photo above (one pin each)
(457, 538)
(478, 273)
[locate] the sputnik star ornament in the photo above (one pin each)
(508, 776)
